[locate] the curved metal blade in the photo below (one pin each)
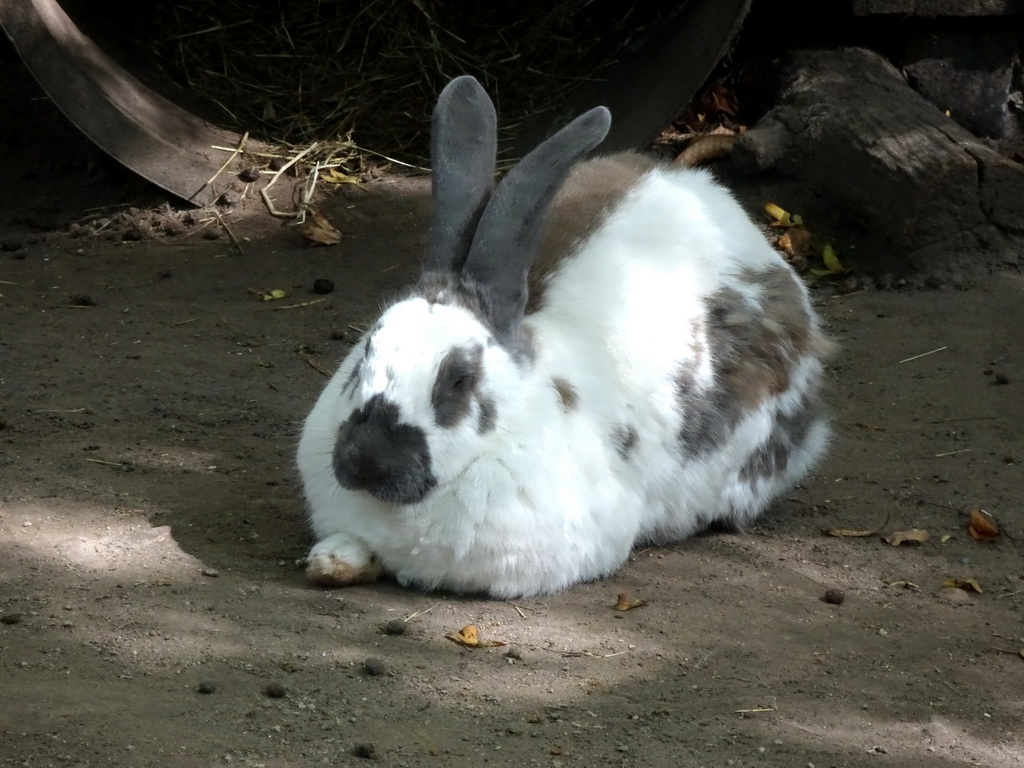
(139, 128)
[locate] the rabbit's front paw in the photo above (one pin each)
(339, 561)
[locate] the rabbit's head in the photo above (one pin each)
(426, 389)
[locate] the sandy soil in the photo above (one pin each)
(150, 524)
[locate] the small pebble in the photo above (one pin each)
(1002, 378)
(250, 174)
(323, 285)
(514, 653)
(275, 690)
(395, 627)
(375, 667)
(367, 751)
(211, 572)
(11, 618)
(207, 686)
(834, 596)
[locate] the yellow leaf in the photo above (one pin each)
(274, 295)
(832, 263)
(847, 533)
(781, 216)
(334, 176)
(970, 585)
(913, 536)
(469, 637)
(945, 537)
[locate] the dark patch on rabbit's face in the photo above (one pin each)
(488, 416)
(625, 439)
(377, 453)
(566, 394)
(353, 377)
(457, 386)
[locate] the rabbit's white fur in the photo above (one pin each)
(546, 498)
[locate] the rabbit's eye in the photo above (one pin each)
(462, 383)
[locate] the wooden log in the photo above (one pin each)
(937, 8)
(852, 129)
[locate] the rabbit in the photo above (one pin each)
(598, 354)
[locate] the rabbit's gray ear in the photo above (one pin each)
(463, 145)
(509, 231)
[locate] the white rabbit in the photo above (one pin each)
(597, 355)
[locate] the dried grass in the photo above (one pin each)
(365, 73)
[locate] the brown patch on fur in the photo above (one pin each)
(566, 393)
(756, 344)
(591, 192)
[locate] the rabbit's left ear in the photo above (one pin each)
(463, 146)
(509, 231)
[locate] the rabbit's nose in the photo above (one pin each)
(377, 453)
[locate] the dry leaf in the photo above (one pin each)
(627, 602)
(469, 637)
(913, 536)
(334, 176)
(319, 230)
(846, 533)
(982, 526)
(970, 585)
(796, 241)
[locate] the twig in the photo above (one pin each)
(7, 282)
(950, 453)
(923, 354)
(412, 616)
(518, 610)
(390, 159)
(962, 418)
(309, 303)
(237, 151)
(773, 708)
(316, 366)
(231, 234)
(1007, 650)
(60, 410)
(108, 463)
(273, 179)
(183, 322)
(1009, 594)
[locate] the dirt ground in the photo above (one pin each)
(154, 613)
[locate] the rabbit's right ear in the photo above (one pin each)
(463, 147)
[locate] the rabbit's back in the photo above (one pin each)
(685, 337)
